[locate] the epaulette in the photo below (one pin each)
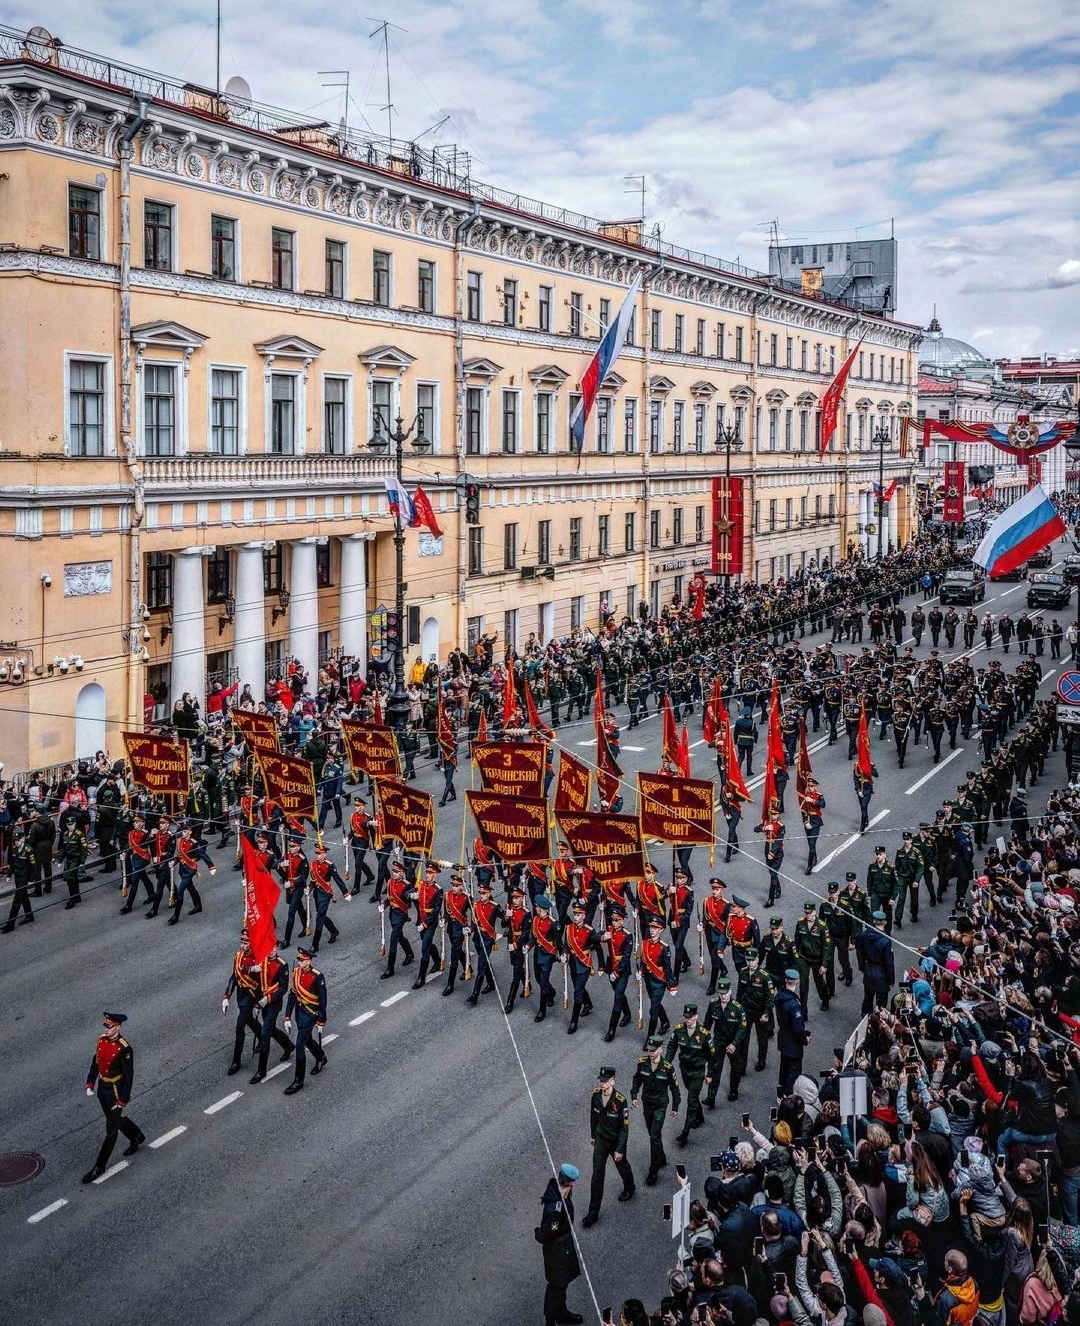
(643, 1058)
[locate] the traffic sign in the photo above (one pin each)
(1068, 687)
(1069, 715)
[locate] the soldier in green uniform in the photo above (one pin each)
(654, 1080)
(756, 994)
(729, 1029)
(909, 872)
(690, 1041)
(409, 745)
(813, 955)
(73, 852)
(777, 951)
(839, 924)
(609, 1128)
(881, 883)
(855, 902)
(21, 864)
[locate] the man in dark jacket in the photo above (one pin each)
(554, 1233)
(875, 951)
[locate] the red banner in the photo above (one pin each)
(695, 596)
(727, 525)
(830, 402)
(1034, 469)
(573, 783)
(158, 764)
(864, 761)
(261, 894)
(514, 768)
(676, 810)
(953, 502)
(260, 731)
(803, 771)
(609, 845)
(445, 732)
(371, 749)
(514, 827)
(407, 815)
(289, 782)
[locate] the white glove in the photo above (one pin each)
(346, 897)
(89, 1091)
(225, 1005)
(213, 870)
(288, 1024)
(700, 929)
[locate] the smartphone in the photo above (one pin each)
(607, 1319)
(779, 1284)
(901, 1133)
(732, 1142)
(965, 1159)
(680, 1173)
(772, 1114)
(714, 1164)
(667, 1212)
(1000, 1158)
(746, 1119)
(759, 1247)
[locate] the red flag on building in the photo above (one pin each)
(261, 894)
(863, 760)
(424, 513)
(830, 402)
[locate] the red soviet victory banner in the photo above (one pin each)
(158, 764)
(261, 894)
(371, 750)
(610, 845)
(260, 731)
(514, 827)
(514, 768)
(407, 815)
(830, 402)
(727, 525)
(676, 810)
(573, 783)
(289, 782)
(952, 506)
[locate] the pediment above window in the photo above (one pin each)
(289, 347)
(741, 394)
(660, 385)
(166, 336)
(548, 375)
(702, 390)
(387, 357)
(481, 368)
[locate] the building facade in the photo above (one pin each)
(211, 312)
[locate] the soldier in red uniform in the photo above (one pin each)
(428, 897)
(517, 923)
(743, 933)
(458, 908)
(189, 852)
(681, 898)
(713, 925)
(398, 906)
(140, 852)
(651, 900)
(617, 896)
(485, 861)
(307, 999)
(294, 870)
(244, 982)
(273, 986)
(358, 839)
(545, 935)
(112, 1072)
(655, 968)
(486, 915)
(580, 941)
(562, 871)
(324, 875)
(620, 949)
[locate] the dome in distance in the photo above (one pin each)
(945, 356)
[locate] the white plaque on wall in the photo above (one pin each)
(81, 579)
(430, 546)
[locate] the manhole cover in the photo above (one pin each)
(19, 1167)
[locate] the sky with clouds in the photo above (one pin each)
(956, 121)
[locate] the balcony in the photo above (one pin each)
(220, 475)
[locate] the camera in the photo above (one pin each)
(714, 1164)
(667, 1213)
(46, 579)
(77, 662)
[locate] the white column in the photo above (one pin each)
(304, 609)
(188, 625)
(863, 521)
(249, 624)
(352, 598)
(886, 525)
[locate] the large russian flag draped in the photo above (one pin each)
(1031, 523)
(600, 365)
(830, 402)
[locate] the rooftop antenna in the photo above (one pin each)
(238, 92)
(343, 74)
(637, 183)
(217, 54)
(384, 26)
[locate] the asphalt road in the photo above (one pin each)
(404, 1183)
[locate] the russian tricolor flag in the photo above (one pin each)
(400, 503)
(1021, 530)
(600, 365)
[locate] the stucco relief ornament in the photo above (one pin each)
(228, 171)
(87, 136)
(162, 155)
(195, 167)
(84, 579)
(257, 180)
(311, 196)
(406, 220)
(48, 128)
(287, 188)
(428, 226)
(337, 201)
(7, 124)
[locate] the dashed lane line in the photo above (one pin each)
(168, 1137)
(936, 769)
(364, 1017)
(848, 842)
(46, 1211)
(401, 994)
(225, 1100)
(278, 1068)
(110, 1172)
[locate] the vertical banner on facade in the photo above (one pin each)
(953, 503)
(727, 525)
(1034, 468)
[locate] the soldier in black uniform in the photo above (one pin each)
(112, 1075)
(839, 924)
(609, 1128)
(307, 999)
(21, 864)
(690, 1041)
(729, 1031)
(244, 982)
(273, 986)
(654, 1081)
(756, 993)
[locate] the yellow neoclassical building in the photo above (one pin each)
(210, 311)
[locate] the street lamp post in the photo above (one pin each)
(397, 708)
(881, 437)
(728, 439)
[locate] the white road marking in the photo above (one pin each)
(113, 1169)
(325, 1040)
(639, 749)
(693, 745)
(401, 994)
(168, 1137)
(225, 1100)
(936, 769)
(279, 1068)
(46, 1211)
(1006, 592)
(849, 842)
(364, 1017)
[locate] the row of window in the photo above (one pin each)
(220, 579)
(575, 550)
(823, 509)
(160, 253)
